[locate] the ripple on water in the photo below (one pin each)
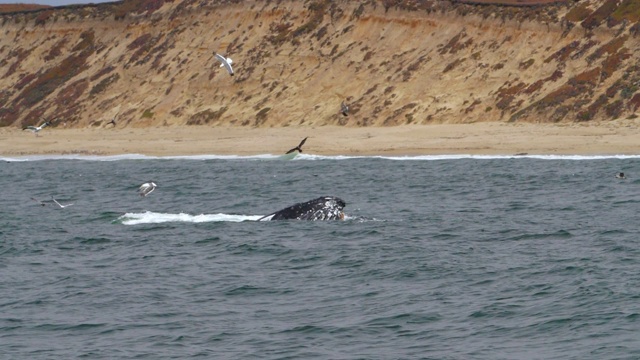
(516, 257)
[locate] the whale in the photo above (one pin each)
(322, 208)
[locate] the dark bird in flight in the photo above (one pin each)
(297, 148)
(39, 202)
(113, 121)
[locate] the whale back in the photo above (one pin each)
(322, 208)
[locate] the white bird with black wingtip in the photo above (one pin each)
(36, 129)
(147, 188)
(226, 62)
(62, 206)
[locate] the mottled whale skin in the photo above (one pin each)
(322, 208)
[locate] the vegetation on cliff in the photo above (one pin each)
(394, 61)
(13, 8)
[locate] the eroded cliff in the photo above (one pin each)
(395, 62)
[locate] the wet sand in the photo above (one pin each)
(617, 137)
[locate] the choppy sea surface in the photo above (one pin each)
(440, 257)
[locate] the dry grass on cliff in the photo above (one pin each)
(9, 8)
(394, 62)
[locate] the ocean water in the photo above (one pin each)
(440, 257)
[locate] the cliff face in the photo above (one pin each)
(395, 62)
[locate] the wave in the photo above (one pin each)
(150, 217)
(137, 157)
(311, 157)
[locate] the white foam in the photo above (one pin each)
(150, 217)
(137, 157)
(311, 157)
(493, 157)
(464, 156)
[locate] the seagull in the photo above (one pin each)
(297, 148)
(147, 188)
(39, 202)
(62, 206)
(226, 62)
(344, 109)
(620, 175)
(35, 129)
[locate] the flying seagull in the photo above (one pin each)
(344, 109)
(297, 148)
(226, 62)
(35, 129)
(39, 202)
(147, 188)
(62, 206)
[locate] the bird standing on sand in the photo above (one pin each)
(297, 148)
(344, 109)
(147, 188)
(226, 62)
(37, 129)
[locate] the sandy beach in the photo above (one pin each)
(486, 81)
(617, 137)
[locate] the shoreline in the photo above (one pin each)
(620, 137)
